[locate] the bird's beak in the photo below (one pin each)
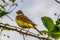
(17, 12)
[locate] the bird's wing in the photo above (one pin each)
(26, 19)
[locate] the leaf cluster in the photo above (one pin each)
(53, 29)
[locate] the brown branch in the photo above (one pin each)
(21, 32)
(15, 27)
(57, 1)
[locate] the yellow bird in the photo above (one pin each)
(23, 21)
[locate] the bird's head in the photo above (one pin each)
(19, 12)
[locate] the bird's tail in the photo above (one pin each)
(38, 30)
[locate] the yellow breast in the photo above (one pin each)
(24, 24)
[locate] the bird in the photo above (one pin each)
(23, 21)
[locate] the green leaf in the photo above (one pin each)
(5, 29)
(56, 29)
(48, 23)
(44, 31)
(55, 35)
(12, 1)
(6, 24)
(2, 13)
(2, 6)
(58, 21)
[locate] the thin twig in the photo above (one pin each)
(23, 36)
(10, 12)
(13, 9)
(9, 17)
(57, 1)
(10, 7)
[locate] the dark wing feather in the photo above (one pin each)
(25, 19)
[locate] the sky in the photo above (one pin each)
(34, 9)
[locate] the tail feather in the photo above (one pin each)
(38, 30)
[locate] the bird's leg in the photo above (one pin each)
(27, 30)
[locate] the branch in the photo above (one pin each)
(11, 11)
(57, 1)
(14, 27)
(21, 32)
(9, 17)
